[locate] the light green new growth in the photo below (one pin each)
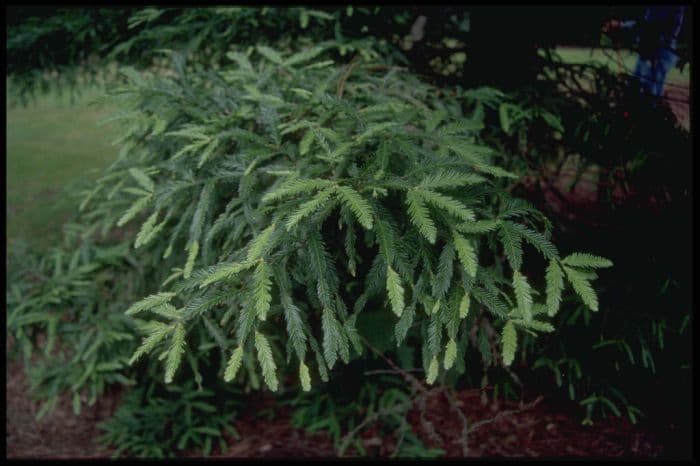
(135, 208)
(582, 287)
(450, 354)
(146, 230)
(395, 290)
(522, 295)
(464, 306)
(224, 271)
(234, 363)
(509, 341)
(432, 371)
(158, 332)
(266, 362)
(261, 289)
(304, 376)
(191, 257)
(177, 348)
(579, 259)
(418, 213)
(150, 302)
(309, 207)
(142, 179)
(260, 244)
(357, 205)
(555, 286)
(466, 253)
(447, 203)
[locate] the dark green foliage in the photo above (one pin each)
(57, 46)
(345, 413)
(65, 317)
(61, 47)
(634, 201)
(156, 421)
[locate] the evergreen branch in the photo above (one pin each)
(555, 285)
(579, 259)
(223, 271)
(447, 203)
(267, 363)
(309, 207)
(175, 352)
(522, 295)
(142, 179)
(357, 205)
(543, 245)
(261, 296)
(466, 253)
(234, 363)
(511, 245)
(146, 230)
(295, 327)
(295, 187)
(450, 354)
(149, 302)
(259, 246)
(443, 278)
(395, 290)
(135, 208)
(419, 216)
(158, 331)
(478, 226)
(450, 179)
(582, 287)
(509, 340)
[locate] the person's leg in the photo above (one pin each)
(656, 75)
(642, 71)
(665, 62)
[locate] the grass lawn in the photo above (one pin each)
(52, 144)
(615, 60)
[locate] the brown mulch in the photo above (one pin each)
(274, 437)
(538, 430)
(532, 429)
(60, 434)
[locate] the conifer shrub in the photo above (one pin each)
(266, 220)
(286, 193)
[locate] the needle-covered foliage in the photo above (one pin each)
(64, 48)
(283, 196)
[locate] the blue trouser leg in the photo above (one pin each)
(643, 72)
(665, 62)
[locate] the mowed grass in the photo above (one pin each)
(52, 144)
(617, 60)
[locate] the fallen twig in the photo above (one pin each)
(463, 439)
(478, 425)
(341, 82)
